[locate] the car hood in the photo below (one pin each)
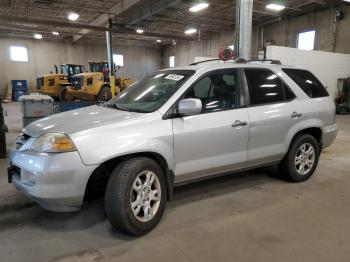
(80, 120)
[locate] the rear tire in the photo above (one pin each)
(132, 204)
(301, 160)
(104, 94)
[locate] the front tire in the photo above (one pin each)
(135, 196)
(65, 96)
(301, 160)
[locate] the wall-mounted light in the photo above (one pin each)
(275, 7)
(191, 31)
(73, 16)
(139, 31)
(159, 40)
(55, 33)
(199, 7)
(38, 36)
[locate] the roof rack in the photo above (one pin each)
(204, 61)
(272, 61)
(241, 61)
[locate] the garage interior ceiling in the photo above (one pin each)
(160, 19)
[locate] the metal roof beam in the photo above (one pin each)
(115, 28)
(103, 19)
(149, 10)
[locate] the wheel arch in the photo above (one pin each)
(315, 131)
(97, 181)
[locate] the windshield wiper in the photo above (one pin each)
(120, 107)
(123, 108)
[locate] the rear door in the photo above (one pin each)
(271, 108)
(214, 141)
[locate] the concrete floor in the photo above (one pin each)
(252, 216)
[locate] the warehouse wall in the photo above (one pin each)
(42, 55)
(284, 33)
(185, 51)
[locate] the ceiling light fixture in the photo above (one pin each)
(73, 16)
(159, 40)
(55, 33)
(275, 7)
(139, 31)
(198, 7)
(191, 31)
(38, 36)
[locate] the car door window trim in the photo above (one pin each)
(170, 112)
(284, 85)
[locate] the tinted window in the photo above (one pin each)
(266, 87)
(89, 81)
(307, 81)
(217, 90)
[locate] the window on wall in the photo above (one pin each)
(18, 54)
(172, 61)
(118, 59)
(306, 40)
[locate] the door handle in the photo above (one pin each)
(296, 115)
(239, 123)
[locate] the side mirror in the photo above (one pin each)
(190, 106)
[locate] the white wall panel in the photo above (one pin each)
(327, 66)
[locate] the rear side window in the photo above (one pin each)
(266, 87)
(307, 81)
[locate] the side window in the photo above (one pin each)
(202, 88)
(266, 87)
(307, 82)
(217, 90)
(89, 81)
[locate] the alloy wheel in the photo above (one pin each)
(145, 196)
(304, 159)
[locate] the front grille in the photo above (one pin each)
(77, 82)
(16, 170)
(39, 82)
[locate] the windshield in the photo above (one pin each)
(64, 69)
(71, 69)
(151, 92)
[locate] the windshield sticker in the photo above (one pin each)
(174, 77)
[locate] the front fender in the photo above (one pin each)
(107, 142)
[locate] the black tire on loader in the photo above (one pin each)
(104, 94)
(65, 96)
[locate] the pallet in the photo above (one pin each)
(8, 97)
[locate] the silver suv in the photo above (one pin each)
(172, 127)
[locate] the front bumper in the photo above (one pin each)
(329, 135)
(56, 181)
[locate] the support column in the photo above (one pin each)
(110, 56)
(245, 28)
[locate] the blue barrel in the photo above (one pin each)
(16, 94)
(19, 88)
(67, 106)
(19, 85)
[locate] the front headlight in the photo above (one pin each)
(53, 143)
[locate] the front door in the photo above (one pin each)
(214, 141)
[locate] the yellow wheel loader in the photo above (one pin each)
(96, 85)
(51, 84)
